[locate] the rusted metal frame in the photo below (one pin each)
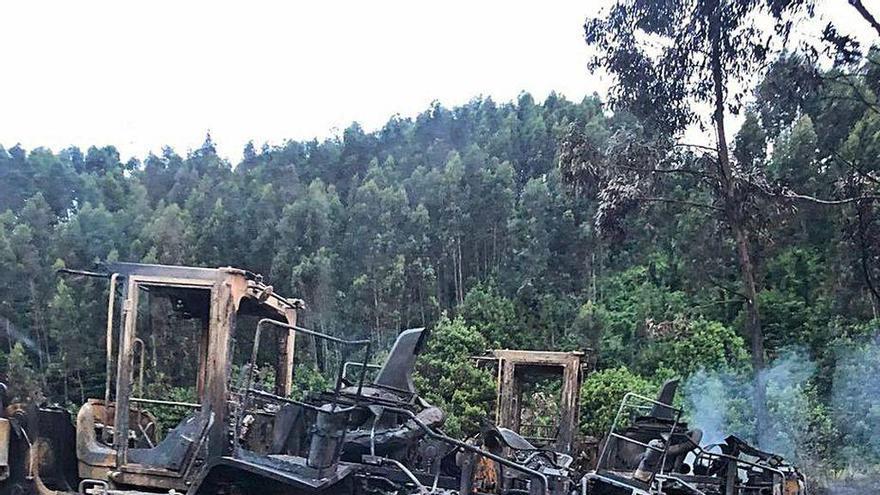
(306, 331)
(288, 400)
(499, 362)
(139, 342)
(247, 389)
(346, 365)
(538, 357)
(203, 362)
(571, 379)
(282, 300)
(738, 460)
(226, 297)
(367, 356)
(111, 302)
(666, 443)
(142, 400)
(125, 359)
(124, 373)
(508, 390)
(636, 442)
(286, 343)
(182, 283)
(509, 412)
(498, 375)
(537, 475)
(614, 434)
(144, 270)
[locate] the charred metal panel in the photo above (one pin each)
(396, 373)
(5, 439)
(163, 271)
(515, 365)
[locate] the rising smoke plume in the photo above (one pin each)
(835, 437)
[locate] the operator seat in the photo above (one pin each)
(162, 466)
(176, 448)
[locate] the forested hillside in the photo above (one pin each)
(465, 212)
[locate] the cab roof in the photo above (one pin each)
(174, 271)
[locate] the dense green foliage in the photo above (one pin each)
(601, 394)
(463, 211)
(452, 381)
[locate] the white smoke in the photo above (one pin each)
(13, 334)
(855, 403)
(707, 397)
(720, 403)
(837, 441)
(790, 406)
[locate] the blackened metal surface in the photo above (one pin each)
(176, 448)
(397, 371)
(167, 271)
(290, 470)
(56, 429)
(666, 396)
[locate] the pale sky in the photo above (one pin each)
(143, 75)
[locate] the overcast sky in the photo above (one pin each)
(141, 76)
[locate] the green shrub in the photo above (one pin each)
(448, 378)
(601, 394)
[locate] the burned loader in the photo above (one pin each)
(359, 437)
(651, 451)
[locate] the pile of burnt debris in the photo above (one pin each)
(359, 437)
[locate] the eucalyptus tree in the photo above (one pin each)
(670, 60)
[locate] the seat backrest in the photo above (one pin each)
(397, 371)
(178, 446)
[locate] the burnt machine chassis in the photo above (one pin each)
(357, 437)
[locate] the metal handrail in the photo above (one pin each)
(738, 460)
(613, 434)
(247, 390)
(158, 402)
(355, 363)
(540, 477)
(634, 441)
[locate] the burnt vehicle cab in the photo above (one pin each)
(185, 319)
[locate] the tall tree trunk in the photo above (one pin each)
(376, 309)
(460, 270)
(494, 246)
(66, 395)
(737, 222)
(36, 323)
(82, 389)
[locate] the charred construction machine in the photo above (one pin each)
(651, 451)
(359, 437)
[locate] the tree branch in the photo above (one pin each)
(858, 170)
(679, 202)
(812, 199)
(857, 4)
(734, 292)
(696, 173)
(829, 202)
(698, 146)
